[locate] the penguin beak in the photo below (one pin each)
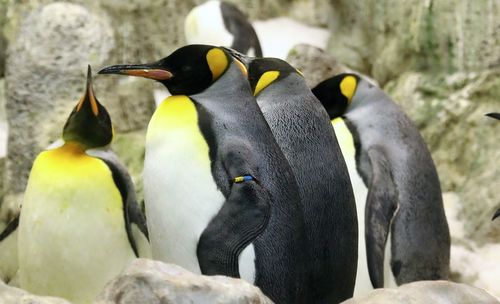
(89, 95)
(497, 214)
(494, 115)
(151, 71)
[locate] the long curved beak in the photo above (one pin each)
(89, 95)
(494, 115)
(151, 71)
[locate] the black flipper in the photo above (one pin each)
(243, 32)
(241, 219)
(381, 205)
(132, 211)
(11, 227)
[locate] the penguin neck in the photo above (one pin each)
(73, 147)
(231, 84)
(292, 86)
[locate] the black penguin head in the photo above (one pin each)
(187, 71)
(264, 71)
(337, 93)
(89, 124)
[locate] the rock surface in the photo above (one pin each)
(147, 281)
(384, 38)
(425, 292)
(11, 295)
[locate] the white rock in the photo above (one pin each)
(147, 281)
(425, 292)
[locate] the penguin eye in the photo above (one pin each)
(266, 79)
(217, 62)
(348, 87)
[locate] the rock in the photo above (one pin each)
(385, 38)
(147, 281)
(424, 292)
(11, 295)
(317, 65)
(314, 63)
(449, 111)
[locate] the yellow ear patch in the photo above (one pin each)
(348, 87)
(266, 79)
(217, 62)
(242, 67)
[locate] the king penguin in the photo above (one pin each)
(220, 196)
(222, 23)
(80, 224)
(303, 131)
(495, 116)
(404, 194)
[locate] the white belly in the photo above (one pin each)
(363, 283)
(205, 25)
(72, 238)
(181, 195)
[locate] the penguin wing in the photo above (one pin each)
(242, 218)
(8, 251)
(135, 221)
(381, 205)
(242, 30)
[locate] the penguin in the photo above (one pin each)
(80, 224)
(495, 116)
(303, 131)
(404, 195)
(220, 196)
(222, 23)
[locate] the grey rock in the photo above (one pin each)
(147, 281)
(11, 295)
(424, 292)
(317, 65)
(384, 38)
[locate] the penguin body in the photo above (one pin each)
(79, 224)
(303, 131)
(404, 196)
(222, 23)
(220, 196)
(363, 283)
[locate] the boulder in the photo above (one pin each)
(11, 295)
(315, 64)
(424, 292)
(147, 281)
(3, 40)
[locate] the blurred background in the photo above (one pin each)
(439, 60)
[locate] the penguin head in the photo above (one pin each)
(337, 93)
(262, 72)
(89, 124)
(188, 70)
